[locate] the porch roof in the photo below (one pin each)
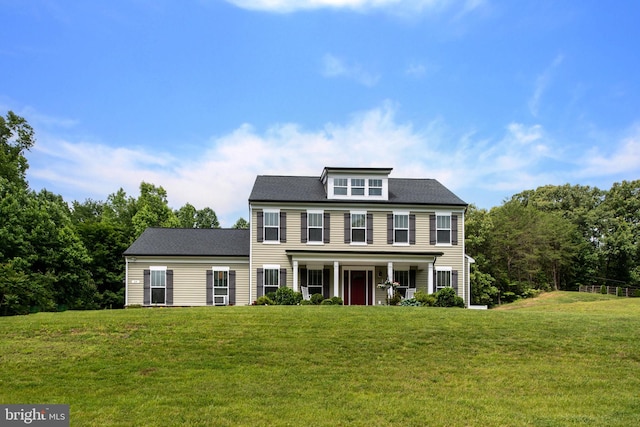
(360, 257)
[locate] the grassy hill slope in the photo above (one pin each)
(562, 359)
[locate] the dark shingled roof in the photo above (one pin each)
(310, 189)
(191, 242)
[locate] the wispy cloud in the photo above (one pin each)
(622, 158)
(393, 6)
(481, 170)
(332, 66)
(542, 82)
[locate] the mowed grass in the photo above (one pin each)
(563, 359)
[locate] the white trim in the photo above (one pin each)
(295, 276)
(438, 269)
(215, 269)
(316, 212)
(158, 268)
(264, 225)
(370, 288)
(351, 214)
(401, 213)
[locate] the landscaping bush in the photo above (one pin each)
(425, 299)
(620, 291)
(326, 302)
(271, 296)
(411, 302)
(287, 296)
(337, 301)
(306, 302)
(264, 300)
(636, 293)
(603, 290)
(316, 299)
(447, 298)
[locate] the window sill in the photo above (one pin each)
(271, 242)
(315, 243)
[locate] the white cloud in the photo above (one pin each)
(332, 67)
(481, 170)
(288, 6)
(623, 158)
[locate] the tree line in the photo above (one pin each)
(56, 256)
(555, 238)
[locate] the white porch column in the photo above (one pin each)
(336, 278)
(390, 271)
(430, 283)
(295, 276)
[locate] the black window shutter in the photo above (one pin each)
(283, 277)
(303, 227)
(232, 287)
(209, 287)
(369, 282)
(327, 227)
(283, 227)
(412, 229)
(326, 274)
(454, 280)
(369, 228)
(260, 282)
(303, 276)
(432, 229)
(412, 278)
(169, 300)
(260, 218)
(146, 287)
(347, 227)
(454, 229)
(390, 229)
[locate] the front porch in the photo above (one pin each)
(354, 276)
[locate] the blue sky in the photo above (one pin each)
(490, 97)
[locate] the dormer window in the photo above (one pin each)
(375, 187)
(340, 186)
(356, 183)
(357, 187)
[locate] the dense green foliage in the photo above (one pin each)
(333, 366)
(555, 237)
(56, 257)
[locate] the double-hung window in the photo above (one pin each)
(375, 187)
(401, 228)
(340, 186)
(357, 186)
(271, 279)
(358, 227)
(220, 286)
(271, 226)
(158, 284)
(314, 226)
(443, 229)
(314, 281)
(443, 279)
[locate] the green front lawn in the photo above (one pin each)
(567, 359)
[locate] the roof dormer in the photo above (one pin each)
(356, 183)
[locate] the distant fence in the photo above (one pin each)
(611, 290)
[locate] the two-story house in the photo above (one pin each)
(339, 234)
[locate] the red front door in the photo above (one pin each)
(358, 288)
